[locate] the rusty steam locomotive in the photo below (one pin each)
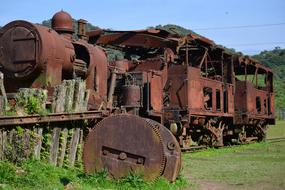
(167, 92)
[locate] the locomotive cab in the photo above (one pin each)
(254, 92)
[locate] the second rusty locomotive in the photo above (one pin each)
(167, 91)
(197, 89)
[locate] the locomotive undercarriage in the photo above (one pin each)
(218, 132)
(242, 134)
(208, 131)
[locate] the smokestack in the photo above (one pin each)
(82, 29)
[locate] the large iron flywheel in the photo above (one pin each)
(126, 143)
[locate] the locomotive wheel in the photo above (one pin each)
(126, 143)
(242, 136)
(205, 140)
(260, 132)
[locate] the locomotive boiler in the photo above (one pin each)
(34, 56)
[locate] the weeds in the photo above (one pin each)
(34, 174)
(20, 144)
(32, 101)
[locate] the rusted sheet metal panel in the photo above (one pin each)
(213, 85)
(231, 97)
(156, 92)
(177, 78)
(272, 105)
(256, 100)
(152, 64)
(201, 39)
(97, 74)
(149, 64)
(195, 93)
(251, 102)
(241, 105)
(196, 96)
(240, 97)
(250, 98)
(135, 39)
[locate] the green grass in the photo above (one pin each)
(239, 167)
(277, 130)
(33, 174)
(253, 166)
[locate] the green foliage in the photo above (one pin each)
(33, 174)
(7, 172)
(33, 105)
(133, 180)
(32, 101)
(21, 142)
(89, 26)
(174, 29)
(276, 60)
(10, 113)
(113, 54)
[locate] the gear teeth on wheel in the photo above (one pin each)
(155, 128)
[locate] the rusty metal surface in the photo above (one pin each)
(138, 37)
(131, 96)
(122, 144)
(246, 103)
(62, 22)
(185, 82)
(53, 117)
(44, 58)
(172, 152)
(24, 67)
(193, 75)
(135, 39)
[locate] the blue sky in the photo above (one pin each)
(192, 14)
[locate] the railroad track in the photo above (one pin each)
(273, 140)
(202, 148)
(194, 149)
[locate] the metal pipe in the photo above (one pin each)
(147, 94)
(245, 72)
(112, 89)
(186, 60)
(203, 58)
